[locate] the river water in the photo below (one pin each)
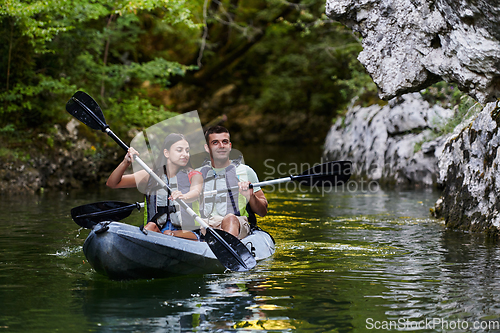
(352, 260)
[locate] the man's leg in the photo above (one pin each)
(231, 224)
(151, 226)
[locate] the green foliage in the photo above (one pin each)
(8, 129)
(157, 71)
(449, 96)
(14, 154)
(51, 49)
(299, 69)
(50, 142)
(136, 112)
(465, 108)
(294, 69)
(312, 70)
(442, 93)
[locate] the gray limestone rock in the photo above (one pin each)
(410, 44)
(469, 169)
(381, 141)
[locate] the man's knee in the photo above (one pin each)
(230, 221)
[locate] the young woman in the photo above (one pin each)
(174, 168)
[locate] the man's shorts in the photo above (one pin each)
(216, 221)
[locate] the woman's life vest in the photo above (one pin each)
(160, 209)
(227, 201)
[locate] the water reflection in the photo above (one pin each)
(184, 303)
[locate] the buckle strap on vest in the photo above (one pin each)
(233, 203)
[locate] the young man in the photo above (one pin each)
(232, 208)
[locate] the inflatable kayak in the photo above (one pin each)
(122, 251)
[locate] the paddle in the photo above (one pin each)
(322, 175)
(228, 249)
(89, 215)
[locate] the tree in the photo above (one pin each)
(53, 48)
(286, 68)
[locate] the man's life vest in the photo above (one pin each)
(228, 201)
(160, 209)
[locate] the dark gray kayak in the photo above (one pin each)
(122, 251)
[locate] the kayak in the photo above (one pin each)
(122, 251)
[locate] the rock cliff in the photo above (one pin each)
(469, 169)
(410, 44)
(383, 141)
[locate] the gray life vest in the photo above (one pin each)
(229, 201)
(160, 209)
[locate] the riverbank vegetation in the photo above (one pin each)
(448, 96)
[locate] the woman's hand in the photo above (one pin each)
(117, 179)
(176, 195)
(129, 157)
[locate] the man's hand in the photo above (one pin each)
(257, 200)
(245, 190)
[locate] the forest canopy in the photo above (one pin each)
(280, 71)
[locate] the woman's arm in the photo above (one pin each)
(194, 189)
(117, 179)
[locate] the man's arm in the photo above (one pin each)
(256, 199)
(258, 203)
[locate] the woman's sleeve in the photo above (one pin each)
(192, 174)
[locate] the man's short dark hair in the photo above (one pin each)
(215, 130)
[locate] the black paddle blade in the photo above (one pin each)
(231, 252)
(327, 174)
(81, 106)
(88, 216)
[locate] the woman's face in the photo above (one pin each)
(178, 154)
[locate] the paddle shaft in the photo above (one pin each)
(260, 184)
(267, 183)
(112, 211)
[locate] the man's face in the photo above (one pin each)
(219, 146)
